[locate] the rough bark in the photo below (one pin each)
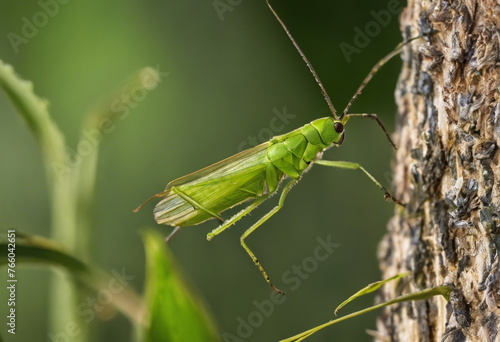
(447, 171)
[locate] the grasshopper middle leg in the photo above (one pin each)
(228, 223)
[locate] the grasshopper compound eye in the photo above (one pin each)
(339, 128)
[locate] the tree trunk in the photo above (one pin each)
(447, 171)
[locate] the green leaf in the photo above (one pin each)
(368, 289)
(175, 314)
(418, 295)
(31, 249)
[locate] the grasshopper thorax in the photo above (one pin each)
(292, 153)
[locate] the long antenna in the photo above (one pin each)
(325, 94)
(374, 70)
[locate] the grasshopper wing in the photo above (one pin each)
(204, 194)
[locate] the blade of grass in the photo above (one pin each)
(368, 289)
(63, 207)
(71, 187)
(418, 295)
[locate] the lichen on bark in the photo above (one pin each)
(447, 171)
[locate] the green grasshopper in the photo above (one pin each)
(257, 173)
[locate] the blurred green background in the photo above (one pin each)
(225, 79)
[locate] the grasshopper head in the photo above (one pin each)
(339, 126)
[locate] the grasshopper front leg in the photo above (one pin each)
(356, 166)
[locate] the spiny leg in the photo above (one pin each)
(260, 222)
(355, 166)
(228, 223)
